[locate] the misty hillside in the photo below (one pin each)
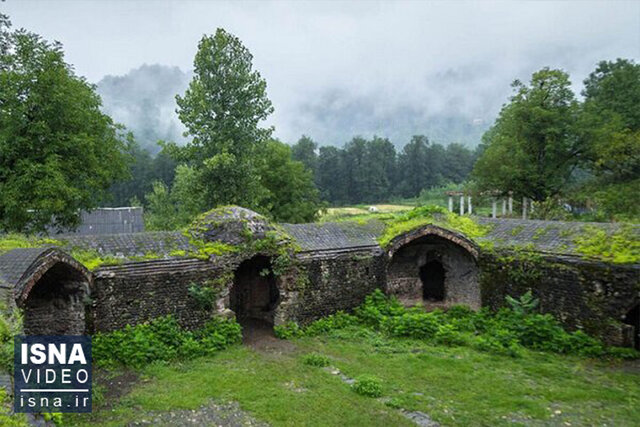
(337, 116)
(144, 101)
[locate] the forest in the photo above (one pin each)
(575, 157)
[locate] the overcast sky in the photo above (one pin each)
(420, 58)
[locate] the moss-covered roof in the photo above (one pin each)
(609, 242)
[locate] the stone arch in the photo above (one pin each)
(433, 266)
(254, 295)
(53, 292)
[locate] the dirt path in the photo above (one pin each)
(259, 336)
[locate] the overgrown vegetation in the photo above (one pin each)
(508, 331)
(368, 385)
(622, 246)
(435, 215)
(162, 339)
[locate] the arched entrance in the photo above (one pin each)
(632, 318)
(254, 295)
(53, 293)
(432, 276)
(435, 267)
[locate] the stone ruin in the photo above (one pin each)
(307, 271)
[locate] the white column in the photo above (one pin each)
(494, 209)
(450, 203)
(531, 206)
(504, 207)
(510, 205)
(524, 208)
(461, 205)
(470, 208)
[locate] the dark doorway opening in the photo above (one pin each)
(55, 305)
(432, 275)
(254, 295)
(633, 318)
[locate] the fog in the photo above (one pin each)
(335, 70)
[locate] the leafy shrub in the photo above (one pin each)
(496, 344)
(339, 320)
(377, 307)
(367, 385)
(413, 325)
(447, 334)
(315, 359)
(622, 352)
(204, 295)
(288, 330)
(526, 304)
(504, 332)
(162, 339)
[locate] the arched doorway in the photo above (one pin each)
(53, 293)
(254, 295)
(632, 318)
(433, 267)
(432, 276)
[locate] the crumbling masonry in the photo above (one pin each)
(315, 270)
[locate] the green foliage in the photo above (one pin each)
(315, 359)
(54, 417)
(435, 215)
(7, 417)
(619, 247)
(506, 332)
(222, 109)
(12, 241)
(162, 339)
(532, 148)
(58, 152)
(288, 330)
(10, 325)
(291, 195)
(526, 304)
(170, 209)
(92, 259)
(611, 128)
(204, 295)
(368, 385)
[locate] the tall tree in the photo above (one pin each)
(222, 110)
(305, 151)
(417, 166)
(380, 165)
(458, 160)
(533, 147)
(354, 162)
(610, 125)
(58, 152)
(291, 193)
(331, 175)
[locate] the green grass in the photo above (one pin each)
(454, 385)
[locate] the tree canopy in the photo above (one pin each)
(58, 152)
(532, 149)
(222, 110)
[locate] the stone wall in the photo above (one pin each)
(589, 295)
(330, 282)
(316, 287)
(138, 292)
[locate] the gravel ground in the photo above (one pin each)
(211, 414)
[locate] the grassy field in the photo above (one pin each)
(453, 385)
(362, 211)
